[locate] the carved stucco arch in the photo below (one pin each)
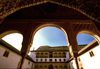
(91, 33)
(51, 25)
(85, 7)
(87, 28)
(8, 32)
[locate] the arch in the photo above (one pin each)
(84, 39)
(96, 36)
(50, 66)
(7, 36)
(8, 32)
(77, 6)
(52, 25)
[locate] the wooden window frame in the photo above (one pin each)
(6, 53)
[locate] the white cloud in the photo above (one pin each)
(38, 41)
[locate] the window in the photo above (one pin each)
(45, 60)
(45, 66)
(28, 62)
(6, 53)
(56, 67)
(40, 66)
(46, 53)
(64, 60)
(41, 60)
(36, 66)
(50, 60)
(91, 53)
(37, 53)
(37, 56)
(36, 60)
(50, 56)
(60, 60)
(65, 67)
(55, 60)
(60, 66)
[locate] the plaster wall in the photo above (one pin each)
(88, 62)
(12, 60)
(27, 64)
(91, 62)
(8, 62)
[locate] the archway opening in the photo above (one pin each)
(48, 42)
(14, 39)
(83, 40)
(49, 36)
(50, 67)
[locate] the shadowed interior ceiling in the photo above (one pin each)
(47, 11)
(90, 8)
(51, 9)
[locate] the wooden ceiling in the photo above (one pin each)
(47, 11)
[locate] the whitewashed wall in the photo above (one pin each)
(26, 65)
(8, 62)
(88, 62)
(12, 60)
(91, 62)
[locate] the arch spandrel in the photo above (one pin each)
(87, 28)
(22, 28)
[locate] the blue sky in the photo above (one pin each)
(50, 36)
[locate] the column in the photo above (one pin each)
(72, 43)
(22, 60)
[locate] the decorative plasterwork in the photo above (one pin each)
(89, 27)
(90, 8)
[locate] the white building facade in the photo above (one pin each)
(10, 58)
(54, 57)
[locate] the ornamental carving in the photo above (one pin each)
(90, 8)
(78, 27)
